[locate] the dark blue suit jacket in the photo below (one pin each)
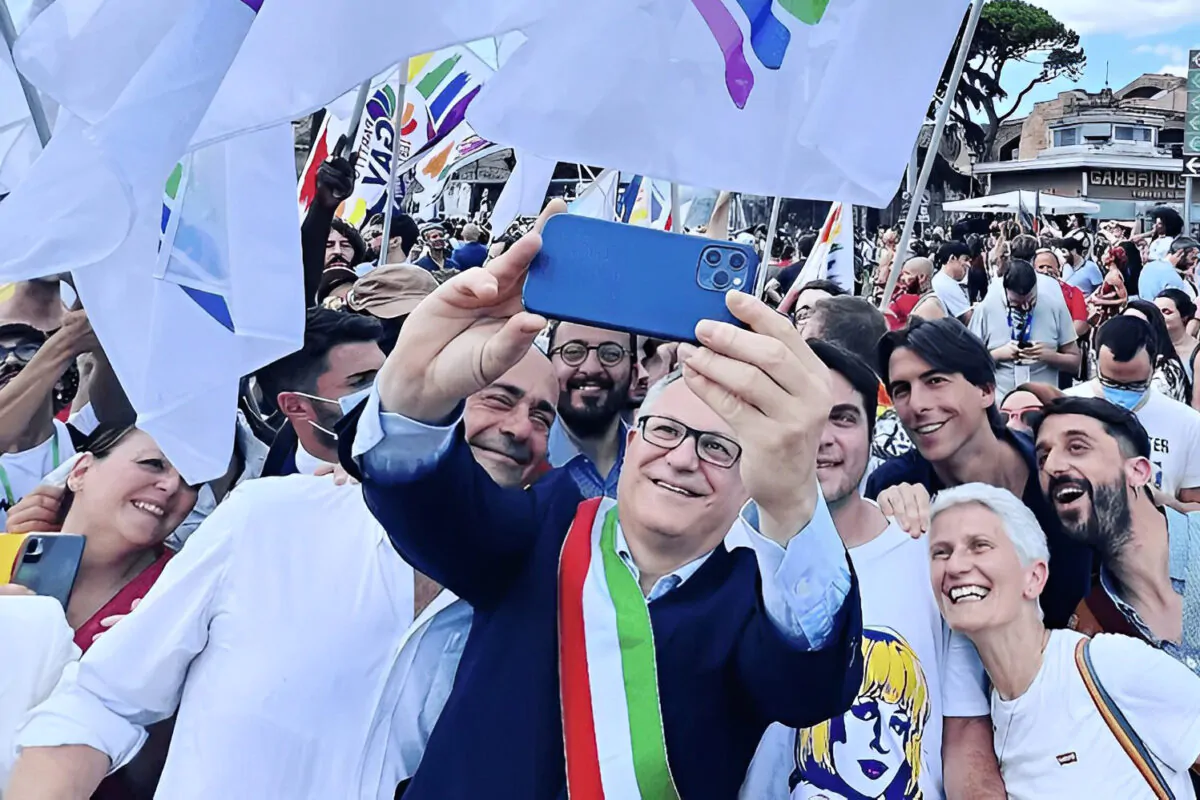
(724, 671)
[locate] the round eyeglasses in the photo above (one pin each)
(573, 354)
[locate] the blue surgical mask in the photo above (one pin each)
(349, 402)
(1127, 399)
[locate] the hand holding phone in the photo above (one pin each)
(640, 280)
(48, 563)
(463, 336)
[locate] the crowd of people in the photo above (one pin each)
(946, 545)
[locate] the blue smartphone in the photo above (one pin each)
(641, 280)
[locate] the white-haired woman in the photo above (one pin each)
(1109, 717)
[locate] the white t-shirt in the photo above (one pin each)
(1174, 431)
(952, 294)
(1052, 742)
(1159, 248)
(936, 672)
(24, 471)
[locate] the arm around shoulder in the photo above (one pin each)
(71, 772)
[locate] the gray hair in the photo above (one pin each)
(1020, 525)
(653, 393)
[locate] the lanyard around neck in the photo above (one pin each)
(8, 490)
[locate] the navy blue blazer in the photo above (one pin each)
(724, 671)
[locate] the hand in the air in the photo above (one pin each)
(775, 393)
(466, 334)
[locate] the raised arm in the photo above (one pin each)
(335, 182)
(775, 393)
(441, 510)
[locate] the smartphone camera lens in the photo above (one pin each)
(720, 279)
(713, 257)
(737, 261)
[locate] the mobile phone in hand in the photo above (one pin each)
(629, 278)
(48, 563)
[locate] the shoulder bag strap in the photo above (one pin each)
(1126, 736)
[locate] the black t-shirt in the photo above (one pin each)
(1070, 562)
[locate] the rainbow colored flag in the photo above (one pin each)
(763, 97)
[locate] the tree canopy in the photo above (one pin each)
(1009, 31)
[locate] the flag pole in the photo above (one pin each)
(931, 153)
(390, 204)
(360, 102)
(32, 98)
(766, 256)
(676, 222)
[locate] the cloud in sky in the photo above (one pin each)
(1132, 17)
(1176, 56)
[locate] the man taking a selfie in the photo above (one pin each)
(672, 660)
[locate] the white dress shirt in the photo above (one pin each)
(804, 585)
(278, 634)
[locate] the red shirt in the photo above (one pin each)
(1076, 302)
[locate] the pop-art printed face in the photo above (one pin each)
(872, 751)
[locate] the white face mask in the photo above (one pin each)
(346, 403)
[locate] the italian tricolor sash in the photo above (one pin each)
(612, 721)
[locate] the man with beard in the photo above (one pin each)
(1025, 324)
(1126, 369)
(33, 367)
(1096, 471)
(915, 296)
(595, 369)
(326, 241)
(943, 385)
(949, 733)
(340, 356)
(437, 244)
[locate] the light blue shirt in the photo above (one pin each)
(803, 585)
(1159, 275)
(1183, 545)
(564, 453)
(1086, 278)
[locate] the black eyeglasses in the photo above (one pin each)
(24, 351)
(575, 353)
(667, 433)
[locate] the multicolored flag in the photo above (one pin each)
(646, 202)
(799, 98)
(832, 257)
(373, 144)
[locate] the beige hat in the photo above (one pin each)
(392, 291)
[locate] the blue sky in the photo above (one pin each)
(1131, 37)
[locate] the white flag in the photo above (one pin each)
(799, 98)
(524, 193)
(304, 53)
(599, 199)
(121, 127)
(223, 297)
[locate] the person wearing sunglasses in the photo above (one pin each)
(38, 379)
(595, 370)
(1021, 403)
(1125, 367)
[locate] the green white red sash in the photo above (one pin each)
(612, 720)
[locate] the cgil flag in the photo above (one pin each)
(373, 143)
(748, 96)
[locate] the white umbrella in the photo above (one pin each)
(1026, 201)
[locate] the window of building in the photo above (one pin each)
(1066, 137)
(1132, 133)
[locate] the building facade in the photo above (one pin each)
(1120, 149)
